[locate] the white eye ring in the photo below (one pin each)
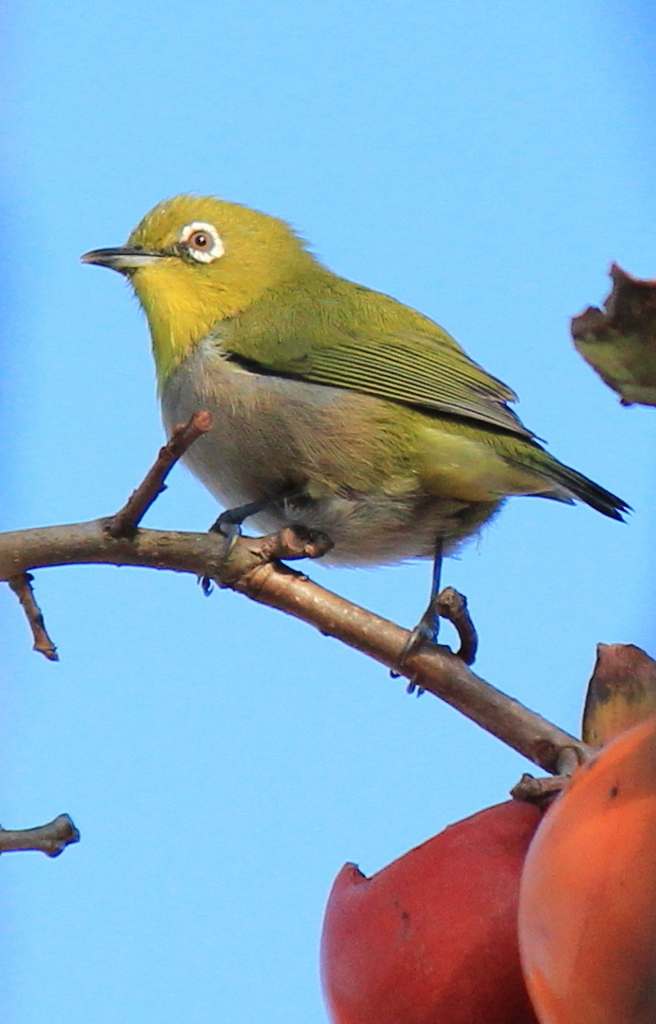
(202, 241)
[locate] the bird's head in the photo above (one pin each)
(194, 261)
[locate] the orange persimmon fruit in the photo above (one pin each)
(587, 919)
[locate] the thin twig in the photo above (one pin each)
(249, 570)
(126, 520)
(452, 605)
(21, 584)
(50, 839)
(539, 791)
(569, 760)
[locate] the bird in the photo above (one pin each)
(334, 407)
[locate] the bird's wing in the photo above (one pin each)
(365, 341)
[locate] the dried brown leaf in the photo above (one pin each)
(619, 341)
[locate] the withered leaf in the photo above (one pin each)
(619, 341)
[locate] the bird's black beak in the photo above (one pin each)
(124, 259)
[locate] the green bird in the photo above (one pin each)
(333, 406)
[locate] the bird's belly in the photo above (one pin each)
(317, 453)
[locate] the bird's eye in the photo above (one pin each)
(201, 241)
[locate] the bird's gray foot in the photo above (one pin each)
(450, 605)
(229, 522)
(229, 525)
(428, 628)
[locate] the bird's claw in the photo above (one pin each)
(228, 526)
(451, 605)
(422, 631)
(229, 530)
(428, 628)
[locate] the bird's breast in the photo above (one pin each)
(254, 444)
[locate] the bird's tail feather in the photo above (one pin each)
(572, 484)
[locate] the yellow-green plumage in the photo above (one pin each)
(339, 406)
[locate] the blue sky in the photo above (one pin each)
(483, 162)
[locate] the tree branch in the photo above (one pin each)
(128, 518)
(251, 568)
(22, 588)
(50, 839)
